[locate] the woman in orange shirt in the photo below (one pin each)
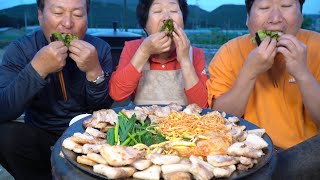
(161, 69)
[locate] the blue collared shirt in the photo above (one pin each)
(22, 90)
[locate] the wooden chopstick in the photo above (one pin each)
(62, 86)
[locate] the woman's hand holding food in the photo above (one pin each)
(182, 48)
(182, 45)
(156, 43)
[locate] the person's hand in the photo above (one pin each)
(182, 44)
(50, 59)
(86, 58)
(156, 44)
(295, 55)
(261, 58)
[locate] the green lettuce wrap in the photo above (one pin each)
(168, 27)
(66, 38)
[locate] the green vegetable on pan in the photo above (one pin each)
(262, 34)
(129, 132)
(168, 27)
(66, 38)
(110, 136)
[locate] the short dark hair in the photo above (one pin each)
(40, 4)
(143, 7)
(250, 2)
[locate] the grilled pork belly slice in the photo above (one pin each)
(102, 116)
(238, 133)
(193, 109)
(87, 148)
(142, 164)
(242, 167)
(258, 132)
(170, 168)
(120, 155)
(224, 172)
(177, 176)
(242, 149)
(221, 160)
(106, 115)
(162, 111)
(140, 115)
(114, 172)
(86, 139)
(175, 107)
(85, 160)
(95, 133)
(160, 159)
(200, 169)
(71, 145)
(152, 172)
(256, 141)
(97, 158)
(153, 118)
(100, 125)
(246, 163)
(148, 110)
(245, 160)
(233, 119)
